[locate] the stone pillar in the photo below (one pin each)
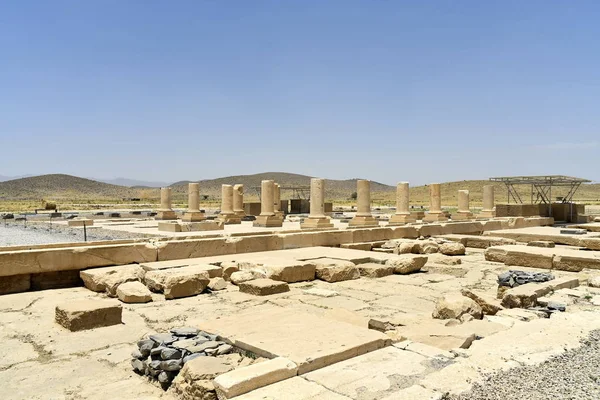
(363, 206)
(277, 200)
(317, 217)
(238, 200)
(435, 213)
(464, 211)
(267, 217)
(165, 212)
(488, 202)
(227, 216)
(402, 215)
(193, 213)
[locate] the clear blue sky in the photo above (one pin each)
(422, 91)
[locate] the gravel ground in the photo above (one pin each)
(16, 234)
(573, 375)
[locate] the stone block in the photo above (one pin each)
(184, 283)
(541, 243)
(267, 221)
(81, 222)
(109, 278)
(246, 379)
(407, 263)
(374, 270)
(452, 249)
(489, 305)
(455, 306)
(133, 292)
(575, 263)
(263, 287)
(333, 270)
(15, 283)
(194, 248)
(88, 314)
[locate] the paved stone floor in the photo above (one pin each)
(41, 360)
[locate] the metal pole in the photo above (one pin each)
(84, 232)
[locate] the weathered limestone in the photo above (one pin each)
(193, 213)
(227, 216)
(277, 200)
(464, 212)
(402, 215)
(238, 200)
(156, 279)
(88, 314)
(267, 217)
(332, 270)
(452, 249)
(183, 284)
(177, 226)
(526, 296)
(407, 263)
(317, 217)
(489, 305)
(374, 270)
(284, 270)
(435, 213)
(488, 203)
(251, 377)
(81, 222)
(165, 212)
(263, 287)
(109, 278)
(134, 292)
(455, 306)
(363, 215)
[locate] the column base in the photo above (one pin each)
(193, 216)
(316, 223)
(435, 217)
(267, 221)
(462, 216)
(363, 222)
(239, 213)
(487, 214)
(229, 219)
(166, 215)
(401, 219)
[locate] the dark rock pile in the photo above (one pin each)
(515, 278)
(161, 356)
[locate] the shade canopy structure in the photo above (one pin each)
(541, 187)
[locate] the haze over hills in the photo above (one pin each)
(65, 188)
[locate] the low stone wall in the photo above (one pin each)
(21, 265)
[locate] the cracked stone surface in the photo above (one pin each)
(46, 361)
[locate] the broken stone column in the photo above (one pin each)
(193, 213)
(227, 216)
(402, 215)
(363, 206)
(464, 211)
(317, 217)
(165, 212)
(435, 213)
(238, 200)
(267, 217)
(488, 202)
(277, 200)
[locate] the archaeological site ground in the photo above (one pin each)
(284, 292)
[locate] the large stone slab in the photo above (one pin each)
(334, 270)
(563, 259)
(155, 279)
(372, 375)
(526, 296)
(280, 269)
(251, 377)
(109, 278)
(310, 341)
(295, 388)
(88, 314)
(263, 287)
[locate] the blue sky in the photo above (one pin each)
(383, 90)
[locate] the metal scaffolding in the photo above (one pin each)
(541, 187)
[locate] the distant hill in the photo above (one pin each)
(334, 189)
(59, 186)
(132, 183)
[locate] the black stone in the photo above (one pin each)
(171, 365)
(185, 331)
(170, 354)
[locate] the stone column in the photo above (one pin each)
(317, 217)
(165, 212)
(193, 213)
(363, 206)
(488, 202)
(227, 216)
(402, 215)
(277, 200)
(464, 211)
(435, 213)
(238, 200)
(267, 217)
